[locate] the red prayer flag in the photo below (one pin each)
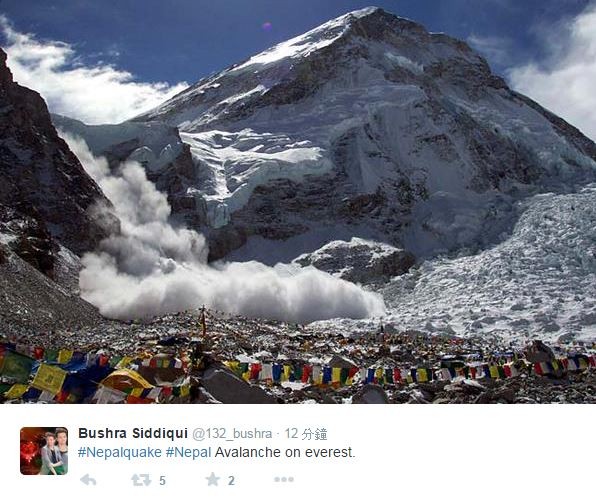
(306, 372)
(255, 369)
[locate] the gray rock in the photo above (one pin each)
(539, 352)
(370, 394)
(341, 362)
(361, 261)
(226, 387)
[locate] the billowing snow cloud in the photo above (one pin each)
(565, 82)
(152, 268)
(92, 94)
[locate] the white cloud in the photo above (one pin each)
(565, 82)
(93, 94)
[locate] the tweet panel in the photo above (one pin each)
(230, 452)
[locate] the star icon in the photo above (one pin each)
(212, 479)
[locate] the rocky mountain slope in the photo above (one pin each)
(48, 212)
(39, 176)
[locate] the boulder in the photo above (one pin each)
(361, 261)
(227, 388)
(370, 394)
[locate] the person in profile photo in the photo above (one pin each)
(51, 462)
(62, 442)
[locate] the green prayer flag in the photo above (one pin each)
(17, 366)
(343, 375)
(51, 355)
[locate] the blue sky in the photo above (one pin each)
(183, 40)
(180, 41)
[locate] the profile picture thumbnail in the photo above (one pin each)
(44, 451)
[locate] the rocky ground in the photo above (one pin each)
(249, 340)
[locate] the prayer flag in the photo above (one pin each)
(414, 374)
(64, 356)
(380, 376)
(326, 375)
(317, 375)
(16, 391)
(46, 396)
(336, 376)
(286, 372)
(422, 375)
(255, 369)
(124, 362)
(388, 375)
(17, 366)
(267, 372)
(344, 375)
(306, 373)
(106, 395)
(276, 372)
(51, 355)
(351, 373)
(49, 378)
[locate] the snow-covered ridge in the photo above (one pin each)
(303, 45)
(153, 144)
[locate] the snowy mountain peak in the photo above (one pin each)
(297, 68)
(410, 131)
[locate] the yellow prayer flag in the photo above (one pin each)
(422, 375)
(124, 362)
(494, 372)
(287, 370)
(124, 379)
(335, 375)
(136, 392)
(64, 356)
(49, 378)
(16, 391)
